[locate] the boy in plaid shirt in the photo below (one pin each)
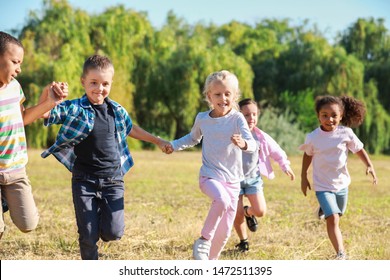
(92, 145)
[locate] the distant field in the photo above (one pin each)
(165, 211)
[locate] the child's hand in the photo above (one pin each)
(165, 146)
(370, 170)
(58, 92)
(290, 173)
(305, 184)
(238, 141)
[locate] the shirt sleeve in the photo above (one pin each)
(58, 114)
(191, 139)
(307, 147)
(354, 145)
(277, 153)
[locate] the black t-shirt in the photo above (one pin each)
(98, 154)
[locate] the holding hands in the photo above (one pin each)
(165, 146)
(58, 91)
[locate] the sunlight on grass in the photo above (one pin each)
(165, 210)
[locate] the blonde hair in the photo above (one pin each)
(222, 76)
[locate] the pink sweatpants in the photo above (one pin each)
(219, 222)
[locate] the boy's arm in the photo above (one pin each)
(141, 134)
(306, 161)
(52, 95)
(362, 154)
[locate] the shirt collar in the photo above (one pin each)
(84, 102)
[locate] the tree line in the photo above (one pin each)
(160, 72)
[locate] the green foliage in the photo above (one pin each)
(301, 108)
(160, 73)
(280, 125)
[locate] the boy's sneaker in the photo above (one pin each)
(341, 255)
(319, 214)
(243, 246)
(201, 249)
(251, 221)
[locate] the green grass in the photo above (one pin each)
(165, 211)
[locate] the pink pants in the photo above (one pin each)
(219, 222)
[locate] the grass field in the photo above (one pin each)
(165, 211)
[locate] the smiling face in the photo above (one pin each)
(222, 97)
(10, 63)
(97, 84)
(330, 116)
(251, 114)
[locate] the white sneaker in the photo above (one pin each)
(201, 249)
(319, 214)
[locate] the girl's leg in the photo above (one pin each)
(239, 221)
(111, 204)
(258, 206)
(333, 205)
(84, 192)
(225, 203)
(334, 232)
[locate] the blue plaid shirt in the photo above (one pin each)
(77, 119)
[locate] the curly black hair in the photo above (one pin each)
(353, 110)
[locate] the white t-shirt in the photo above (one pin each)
(329, 150)
(222, 160)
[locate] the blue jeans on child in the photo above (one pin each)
(99, 209)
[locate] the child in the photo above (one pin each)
(15, 188)
(255, 165)
(327, 146)
(92, 144)
(225, 134)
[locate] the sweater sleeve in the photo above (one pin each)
(191, 139)
(277, 153)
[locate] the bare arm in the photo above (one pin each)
(362, 154)
(52, 95)
(306, 161)
(141, 134)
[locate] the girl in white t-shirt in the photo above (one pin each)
(327, 147)
(225, 134)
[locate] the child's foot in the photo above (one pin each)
(201, 249)
(243, 246)
(341, 255)
(251, 221)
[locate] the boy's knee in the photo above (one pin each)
(111, 235)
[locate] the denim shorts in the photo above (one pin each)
(252, 185)
(333, 202)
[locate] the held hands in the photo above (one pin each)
(238, 141)
(370, 170)
(165, 146)
(58, 91)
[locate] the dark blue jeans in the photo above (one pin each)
(99, 208)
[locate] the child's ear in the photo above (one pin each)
(82, 81)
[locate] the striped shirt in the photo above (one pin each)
(13, 146)
(77, 118)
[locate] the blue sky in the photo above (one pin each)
(330, 16)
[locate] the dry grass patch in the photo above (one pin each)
(165, 211)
